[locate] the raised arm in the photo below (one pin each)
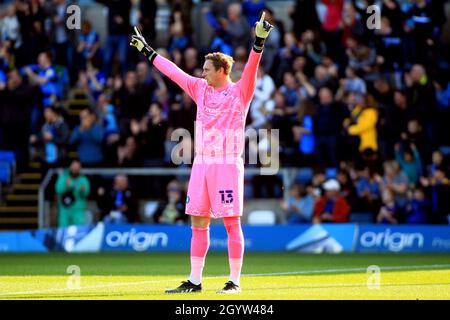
(188, 83)
(248, 79)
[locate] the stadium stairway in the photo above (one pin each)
(19, 210)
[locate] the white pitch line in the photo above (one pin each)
(303, 272)
(306, 272)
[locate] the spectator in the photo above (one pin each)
(388, 211)
(107, 116)
(88, 44)
(129, 155)
(92, 81)
(304, 16)
(88, 138)
(59, 34)
(416, 210)
(73, 190)
(437, 188)
(236, 27)
(422, 98)
(437, 163)
(360, 57)
(300, 204)
(151, 131)
(190, 60)
(397, 182)
(352, 83)
(313, 46)
(367, 191)
(16, 99)
(171, 211)
(414, 134)
(53, 138)
(332, 25)
(118, 205)
(393, 121)
(331, 207)
(178, 39)
(409, 160)
(44, 75)
(286, 55)
(362, 123)
(130, 99)
(118, 32)
(329, 119)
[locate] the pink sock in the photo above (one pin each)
(235, 247)
(199, 248)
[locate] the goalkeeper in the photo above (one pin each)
(217, 177)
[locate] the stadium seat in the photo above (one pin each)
(261, 217)
(5, 172)
(361, 217)
(8, 156)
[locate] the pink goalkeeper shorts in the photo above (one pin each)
(216, 189)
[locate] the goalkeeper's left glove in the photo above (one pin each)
(262, 30)
(138, 41)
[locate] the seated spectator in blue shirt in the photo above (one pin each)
(88, 138)
(300, 204)
(89, 42)
(44, 75)
(416, 210)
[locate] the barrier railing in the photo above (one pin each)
(287, 176)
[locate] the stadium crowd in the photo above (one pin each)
(372, 103)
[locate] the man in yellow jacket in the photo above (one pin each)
(363, 123)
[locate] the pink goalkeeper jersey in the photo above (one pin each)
(220, 122)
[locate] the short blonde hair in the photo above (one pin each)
(220, 60)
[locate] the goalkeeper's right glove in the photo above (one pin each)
(138, 41)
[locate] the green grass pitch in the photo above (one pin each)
(265, 276)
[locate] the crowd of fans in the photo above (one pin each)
(373, 103)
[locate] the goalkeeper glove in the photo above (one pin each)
(262, 30)
(138, 41)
